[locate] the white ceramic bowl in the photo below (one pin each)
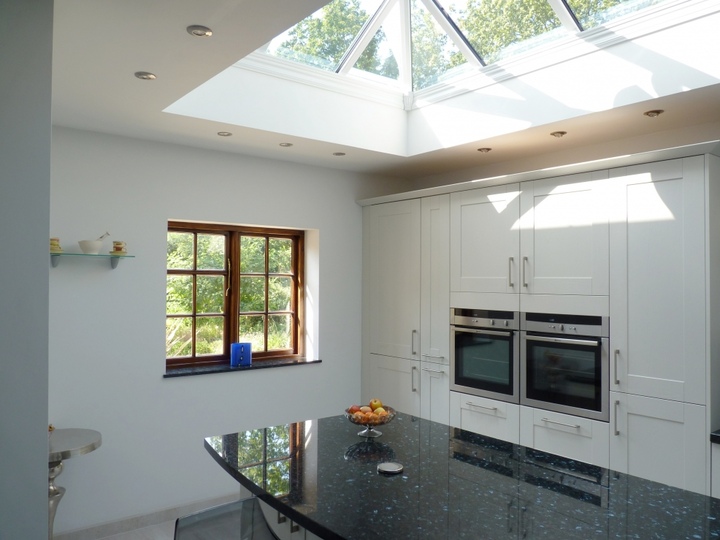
(90, 247)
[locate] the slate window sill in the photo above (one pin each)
(264, 364)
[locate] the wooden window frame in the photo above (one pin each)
(231, 311)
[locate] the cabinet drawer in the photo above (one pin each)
(565, 435)
(485, 416)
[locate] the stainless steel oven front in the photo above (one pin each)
(484, 353)
(564, 364)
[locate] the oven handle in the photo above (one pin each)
(589, 343)
(482, 331)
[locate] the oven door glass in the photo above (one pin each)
(483, 359)
(566, 372)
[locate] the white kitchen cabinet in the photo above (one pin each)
(435, 391)
(657, 296)
(396, 381)
(565, 435)
(661, 440)
(394, 279)
(489, 417)
(535, 246)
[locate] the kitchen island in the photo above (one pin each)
(323, 476)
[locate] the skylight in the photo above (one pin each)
(416, 44)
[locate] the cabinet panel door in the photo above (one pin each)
(435, 280)
(395, 279)
(488, 417)
(569, 436)
(484, 240)
(396, 381)
(435, 392)
(564, 235)
(661, 440)
(657, 301)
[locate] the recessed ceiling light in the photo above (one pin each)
(338, 153)
(145, 75)
(484, 150)
(558, 134)
(224, 134)
(199, 31)
(654, 113)
(286, 144)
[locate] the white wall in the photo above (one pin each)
(107, 355)
(26, 32)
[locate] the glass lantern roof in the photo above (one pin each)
(417, 44)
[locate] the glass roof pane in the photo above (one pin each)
(434, 55)
(381, 56)
(499, 29)
(321, 39)
(593, 13)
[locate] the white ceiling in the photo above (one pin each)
(100, 44)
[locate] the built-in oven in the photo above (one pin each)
(564, 364)
(484, 353)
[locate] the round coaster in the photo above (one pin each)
(390, 467)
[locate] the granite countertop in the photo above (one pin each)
(454, 485)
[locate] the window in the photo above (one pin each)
(228, 284)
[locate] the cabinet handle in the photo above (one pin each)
(471, 404)
(294, 527)
(412, 379)
(412, 342)
(574, 426)
(615, 360)
(281, 518)
(433, 370)
(510, 264)
(524, 277)
(509, 516)
(617, 404)
(433, 356)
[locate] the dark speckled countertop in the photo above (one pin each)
(455, 485)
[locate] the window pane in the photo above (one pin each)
(178, 337)
(211, 252)
(279, 332)
(502, 28)
(252, 294)
(252, 255)
(178, 295)
(209, 336)
(280, 256)
(278, 478)
(381, 54)
(322, 39)
(433, 52)
(593, 13)
(278, 442)
(250, 447)
(180, 250)
(210, 294)
(279, 291)
(255, 474)
(252, 329)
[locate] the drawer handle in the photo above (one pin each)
(433, 370)
(294, 527)
(615, 358)
(281, 518)
(433, 356)
(413, 388)
(471, 404)
(573, 426)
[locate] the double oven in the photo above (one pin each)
(548, 361)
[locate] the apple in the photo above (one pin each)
(365, 409)
(375, 403)
(380, 411)
(353, 409)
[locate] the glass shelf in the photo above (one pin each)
(114, 259)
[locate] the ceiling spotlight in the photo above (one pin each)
(484, 150)
(224, 134)
(286, 144)
(338, 153)
(145, 75)
(654, 113)
(199, 31)
(558, 134)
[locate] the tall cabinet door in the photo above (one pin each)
(395, 279)
(484, 240)
(657, 301)
(564, 235)
(435, 309)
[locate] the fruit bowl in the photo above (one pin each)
(370, 420)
